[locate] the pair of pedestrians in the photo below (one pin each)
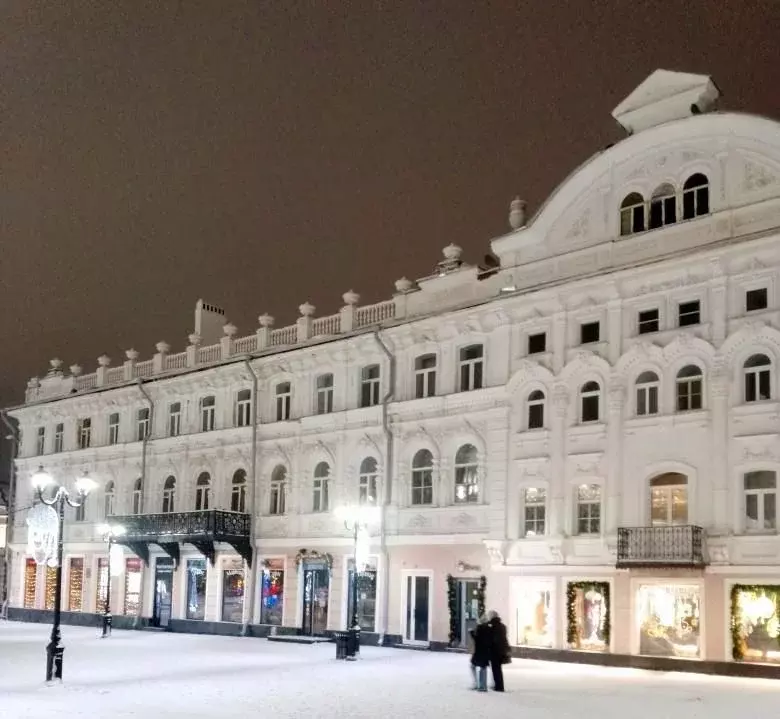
(491, 649)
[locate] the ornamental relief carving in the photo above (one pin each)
(757, 177)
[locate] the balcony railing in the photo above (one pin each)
(681, 546)
(201, 529)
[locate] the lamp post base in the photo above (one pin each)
(54, 658)
(107, 621)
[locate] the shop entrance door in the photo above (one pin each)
(163, 589)
(417, 614)
(468, 608)
(316, 581)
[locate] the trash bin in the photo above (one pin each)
(342, 644)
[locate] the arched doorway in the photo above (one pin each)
(669, 500)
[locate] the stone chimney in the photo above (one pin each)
(209, 320)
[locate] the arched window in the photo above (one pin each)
(238, 491)
(422, 478)
(696, 196)
(208, 413)
(536, 409)
(663, 207)
(368, 481)
(325, 393)
(108, 500)
(689, 388)
(647, 385)
(669, 500)
(466, 474)
(632, 214)
(202, 492)
(138, 496)
(590, 399)
(760, 501)
(758, 378)
(169, 495)
(278, 490)
(321, 491)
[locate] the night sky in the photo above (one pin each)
(263, 153)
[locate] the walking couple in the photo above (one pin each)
(491, 648)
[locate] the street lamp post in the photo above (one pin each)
(58, 498)
(110, 532)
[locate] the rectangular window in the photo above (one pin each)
(471, 367)
(534, 512)
(277, 497)
(320, 497)
(243, 408)
(174, 419)
(590, 332)
(208, 414)
(589, 509)
(59, 433)
(40, 445)
(425, 376)
(101, 591)
(647, 395)
(233, 595)
(132, 605)
(648, 321)
(81, 511)
(142, 424)
(689, 313)
(75, 584)
(272, 592)
(50, 587)
(756, 300)
(196, 589)
(369, 386)
(283, 401)
(30, 580)
(84, 438)
(113, 428)
(760, 501)
(325, 394)
(537, 343)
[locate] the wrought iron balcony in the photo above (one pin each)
(171, 529)
(681, 546)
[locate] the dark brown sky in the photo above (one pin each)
(260, 153)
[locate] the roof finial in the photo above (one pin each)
(517, 218)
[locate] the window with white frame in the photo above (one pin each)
(243, 416)
(320, 495)
(648, 321)
(534, 511)
(278, 490)
(632, 214)
(283, 401)
(142, 424)
(466, 474)
(663, 207)
(422, 478)
(536, 409)
(174, 419)
(647, 385)
(81, 510)
(689, 313)
(138, 496)
(40, 441)
(589, 509)
(169, 495)
(325, 393)
(471, 367)
(202, 492)
(369, 386)
(59, 433)
(108, 499)
(696, 196)
(689, 388)
(760, 501)
(425, 376)
(756, 299)
(367, 482)
(113, 428)
(590, 400)
(208, 413)
(238, 491)
(758, 378)
(84, 433)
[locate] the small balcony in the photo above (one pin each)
(681, 546)
(201, 529)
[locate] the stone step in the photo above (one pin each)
(298, 639)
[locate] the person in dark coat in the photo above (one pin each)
(480, 658)
(500, 653)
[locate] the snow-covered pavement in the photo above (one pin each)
(150, 675)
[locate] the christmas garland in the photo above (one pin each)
(572, 626)
(452, 603)
(304, 554)
(481, 595)
(738, 640)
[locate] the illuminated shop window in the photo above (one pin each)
(196, 589)
(756, 623)
(272, 592)
(670, 620)
(51, 586)
(102, 584)
(75, 583)
(30, 580)
(534, 628)
(132, 587)
(587, 615)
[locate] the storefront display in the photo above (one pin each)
(51, 586)
(755, 622)
(233, 592)
(669, 618)
(75, 583)
(30, 577)
(102, 584)
(196, 589)
(366, 596)
(132, 587)
(272, 592)
(588, 615)
(533, 616)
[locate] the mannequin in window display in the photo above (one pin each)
(594, 616)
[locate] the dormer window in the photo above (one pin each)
(663, 207)
(632, 214)
(696, 196)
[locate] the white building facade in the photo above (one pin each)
(586, 432)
